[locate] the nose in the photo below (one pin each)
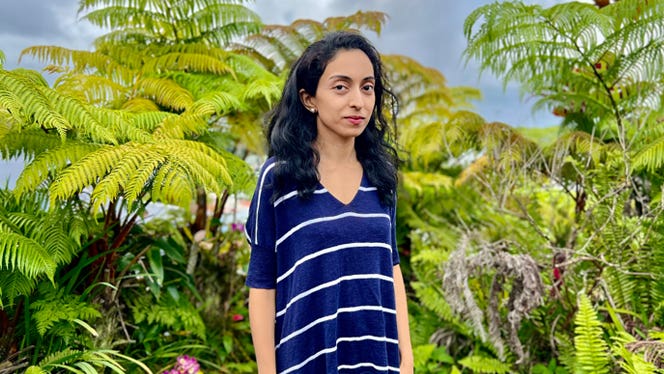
(356, 99)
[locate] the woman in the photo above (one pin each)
(326, 291)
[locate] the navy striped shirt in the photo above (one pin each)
(332, 267)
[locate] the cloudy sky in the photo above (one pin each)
(428, 30)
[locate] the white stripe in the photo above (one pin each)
(334, 316)
(293, 194)
(333, 349)
(309, 359)
(247, 234)
(319, 191)
(329, 250)
(367, 364)
(332, 218)
(368, 337)
(330, 284)
(258, 203)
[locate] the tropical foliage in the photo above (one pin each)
(584, 207)
(121, 244)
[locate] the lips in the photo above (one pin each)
(355, 120)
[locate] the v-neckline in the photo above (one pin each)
(335, 198)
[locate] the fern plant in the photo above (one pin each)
(33, 242)
(591, 348)
(599, 67)
(84, 361)
(276, 47)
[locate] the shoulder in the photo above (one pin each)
(266, 173)
(268, 165)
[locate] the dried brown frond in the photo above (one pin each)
(525, 294)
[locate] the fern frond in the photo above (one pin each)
(25, 255)
(85, 361)
(14, 284)
(38, 170)
(215, 103)
(89, 88)
(175, 314)
(26, 99)
(371, 20)
(111, 169)
(127, 162)
(57, 307)
(140, 105)
(213, 22)
(82, 61)
(189, 62)
(177, 127)
(591, 349)
(265, 89)
(482, 364)
(417, 183)
(651, 156)
(166, 93)
(433, 299)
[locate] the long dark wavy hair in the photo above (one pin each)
(291, 129)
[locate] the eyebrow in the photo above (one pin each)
(347, 78)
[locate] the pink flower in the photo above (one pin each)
(185, 365)
(238, 317)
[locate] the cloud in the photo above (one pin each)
(26, 23)
(31, 18)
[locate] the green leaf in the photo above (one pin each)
(156, 264)
(591, 349)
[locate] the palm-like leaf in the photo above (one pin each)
(605, 63)
(33, 242)
(215, 22)
(91, 158)
(278, 46)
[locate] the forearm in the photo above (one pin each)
(261, 320)
(405, 347)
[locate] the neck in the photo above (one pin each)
(336, 152)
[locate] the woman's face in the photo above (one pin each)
(345, 98)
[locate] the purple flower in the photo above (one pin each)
(185, 365)
(236, 226)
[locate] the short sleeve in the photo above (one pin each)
(393, 229)
(260, 232)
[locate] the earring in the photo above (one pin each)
(312, 110)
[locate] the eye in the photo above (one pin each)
(368, 87)
(339, 87)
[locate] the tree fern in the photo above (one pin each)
(600, 65)
(591, 349)
(482, 364)
(80, 165)
(277, 46)
(214, 21)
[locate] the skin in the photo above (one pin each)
(262, 314)
(344, 102)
